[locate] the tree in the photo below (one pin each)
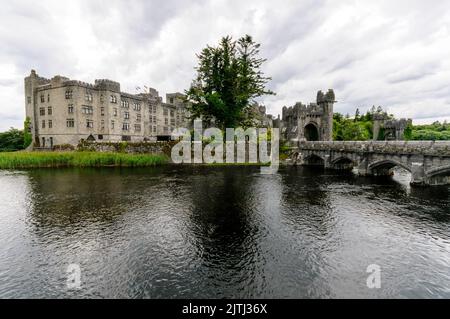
(229, 78)
(357, 114)
(11, 140)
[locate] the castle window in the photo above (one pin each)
(172, 113)
(102, 98)
(138, 117)
(102, 124)
(166, 112)
(127, 115)
(42, 98)
(48, 97)
(89, 110)
(137, 106)
(102, 111)
(50, 110)
(154, 129)
(69, 94)
(171, 100)
(50, 123)
(154, 119)
(70, 109)
(42, 111)
(126, 126)
(70, 123)
(154, 108)
(43, 123)
(89, 124)
(137, 127)
(115, 112)
(172, 122)
(100, 137)
(113, 99)
(112, 125)
(89, 97)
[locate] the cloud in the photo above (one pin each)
(394, 54)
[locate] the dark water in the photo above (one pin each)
(220, 232)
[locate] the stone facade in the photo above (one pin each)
(427, 161)
(313, 122)
(64, 111)
(394, 130)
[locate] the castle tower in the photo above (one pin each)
(326, 102)
(32, 82)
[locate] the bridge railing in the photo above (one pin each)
(435, 148)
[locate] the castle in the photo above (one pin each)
(64, 111)
(313, 122)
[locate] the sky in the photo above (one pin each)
(390, 53)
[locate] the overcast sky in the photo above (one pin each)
(390, 53)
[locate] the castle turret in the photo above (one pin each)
(326, 102)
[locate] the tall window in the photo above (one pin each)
(48, 97)
(113, 99)
(43, 123)
(42, 98)
(50, 123)
(154, 129)
(89, 97)
(127, 115)
(172, 113)
(70, 123)
(89, 124)
(112, 125)
(102, 124)
(69, 94)
(137, 127)
(102, 111)
(50, 110)
(126, 126)
(42, 111)
(70, 109)
(115, 112)
(138, 117)
(166, 112)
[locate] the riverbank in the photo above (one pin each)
(78, 159)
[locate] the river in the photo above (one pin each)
(220, 232)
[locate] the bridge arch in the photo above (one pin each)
(443, 170)
(387, 164)
(313, 160)
(343, 162)
(311, 131)
(439, 175)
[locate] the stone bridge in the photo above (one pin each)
(427, 161)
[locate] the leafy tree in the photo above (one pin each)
(12, 140)
(229, 78)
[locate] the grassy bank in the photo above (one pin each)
(77, 159)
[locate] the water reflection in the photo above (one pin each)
(215, 232)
